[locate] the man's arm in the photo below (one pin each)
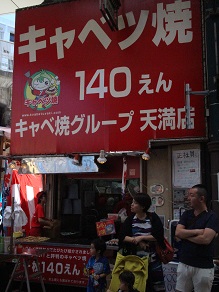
(205, 238)
(183, 233)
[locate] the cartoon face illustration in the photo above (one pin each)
(42, 90)
(40, 83)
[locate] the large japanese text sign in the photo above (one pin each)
(79, 87)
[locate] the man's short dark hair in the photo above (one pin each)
(201, 191)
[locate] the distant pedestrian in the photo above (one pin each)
(97, 267)
(197, 228)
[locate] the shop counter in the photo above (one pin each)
(64, 260)
(65, 242)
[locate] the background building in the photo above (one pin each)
(6, 68)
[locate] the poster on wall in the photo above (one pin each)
(80, 87)
(186, 168)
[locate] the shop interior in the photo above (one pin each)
(85, 202)
(78, 201)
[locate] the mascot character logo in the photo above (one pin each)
(42, 90)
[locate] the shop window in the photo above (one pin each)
(11, 37)
(1, 35)
(4, 63)
(10, 64)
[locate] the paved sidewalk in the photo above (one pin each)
(35, 287)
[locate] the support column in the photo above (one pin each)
(213, 148)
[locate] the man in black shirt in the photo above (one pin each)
(197, 229)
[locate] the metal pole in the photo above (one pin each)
(187, 106)
(218, 186)
(12, 226)
(216, 51)
(188, 91)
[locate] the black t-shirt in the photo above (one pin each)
(193, 254)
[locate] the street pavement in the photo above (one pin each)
(35, 287)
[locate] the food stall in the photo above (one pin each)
(81, 203)
(62, 263)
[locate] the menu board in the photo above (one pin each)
(186, 168)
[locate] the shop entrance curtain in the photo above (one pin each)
(24, 188)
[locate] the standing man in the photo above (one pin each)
(197, 228)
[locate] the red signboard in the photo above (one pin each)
(62, 265)
(80, 87)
